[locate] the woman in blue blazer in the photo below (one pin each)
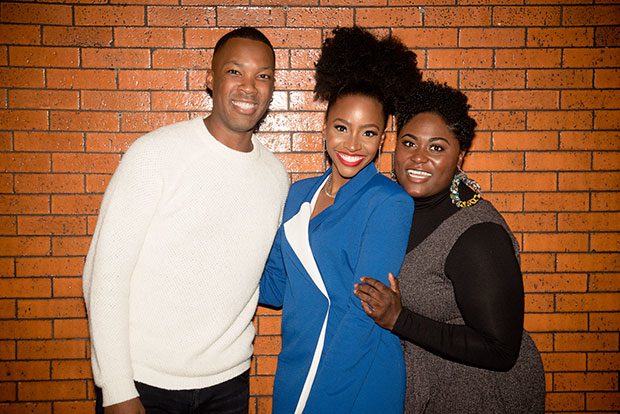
(348, 223)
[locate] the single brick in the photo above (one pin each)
(432, 37)
(491, 37)
(559, 120)
(383, 17)
(22, 78)
(555, 242)
(180, 101)
(49, 183)
(23, 119)
(148, 37)
(20, 34)
(77, 36)
(324, 17)
(560, 37)
(527, 15)
(24, 370)
(83, 121)
(34, 13)
(555, 282)
(17, 329)
(49, 266)
(251, 16)
(605, 322)
(115, 101)
(24, 204)
(48, 141)
(605, 242)
(585, 381)
(537, 262)
(587, 302)
(116, 58)
(590, 221)
(71, 369)
(564, 361)
(76, 204)
(44, 56)
(152, 79)
(556, 322)
(457, 16)
(179, 16)
(81, 78)
(559, 78)
(556, 201)
(602, 15)
(51, 390)
(51, 225)
(586, 341)
(71, 328)
(93, 15)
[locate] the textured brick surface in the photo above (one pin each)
(80, 81)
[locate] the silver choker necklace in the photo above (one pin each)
(327, 183)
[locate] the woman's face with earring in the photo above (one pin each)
(427, 155)
(354, 130)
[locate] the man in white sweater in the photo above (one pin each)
(172, 274)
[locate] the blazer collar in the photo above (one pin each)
(352, 186)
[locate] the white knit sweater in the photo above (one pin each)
(172, 273)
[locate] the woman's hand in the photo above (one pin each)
(381, 303)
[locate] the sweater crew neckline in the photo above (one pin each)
(225, 150)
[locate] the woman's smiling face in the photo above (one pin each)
(427, 155)
(354, 130)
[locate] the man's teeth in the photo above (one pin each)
(244, 105)
(350, 158)
(418, 174)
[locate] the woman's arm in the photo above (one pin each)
(488, 288)
(273, 280)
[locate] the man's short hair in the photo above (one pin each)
(244, 33)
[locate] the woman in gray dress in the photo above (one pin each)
(458, 303)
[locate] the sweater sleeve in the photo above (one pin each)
(489, 293)
(357, 341)
(126, 211)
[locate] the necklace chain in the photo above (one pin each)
(327, 183)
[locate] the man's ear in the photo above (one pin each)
(210, 79)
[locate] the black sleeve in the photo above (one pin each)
(488, 288)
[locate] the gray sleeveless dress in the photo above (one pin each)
(437, 385)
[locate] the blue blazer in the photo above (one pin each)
(334, 357)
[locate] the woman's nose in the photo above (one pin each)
(352, 143)
(418, 156)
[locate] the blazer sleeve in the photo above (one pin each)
(273, 281)
(357, 340)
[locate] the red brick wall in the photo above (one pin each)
(80, 81)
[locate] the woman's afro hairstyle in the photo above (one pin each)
(353, 61)
(449, 103)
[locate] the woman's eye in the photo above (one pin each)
(370, 134)
(407, 144)
(436, 148)
(264, 76)
(340, 128)
(233, 71)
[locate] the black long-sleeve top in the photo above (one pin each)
(488, 288)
